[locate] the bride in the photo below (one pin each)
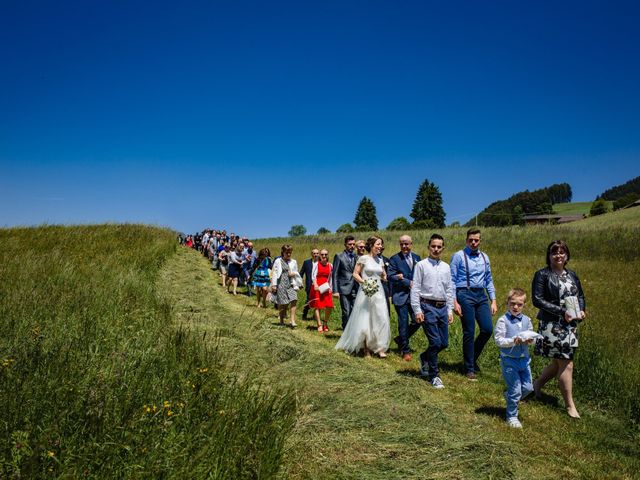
(368, 326)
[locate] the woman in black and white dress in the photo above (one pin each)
(558, 295)
(284, 284)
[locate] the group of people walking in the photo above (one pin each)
(426, 293)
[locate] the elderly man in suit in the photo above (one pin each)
(306, 272)
(345, 286)
(401, 267)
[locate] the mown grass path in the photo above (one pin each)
(372, 418)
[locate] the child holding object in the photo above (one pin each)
(513, 333)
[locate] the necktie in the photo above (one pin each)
(409, 261)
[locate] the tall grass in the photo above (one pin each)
(96, 381)
(605, 255)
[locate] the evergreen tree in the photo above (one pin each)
(366, 219)
(427, 207)
(323, 231)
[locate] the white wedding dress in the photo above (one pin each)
(369, 319)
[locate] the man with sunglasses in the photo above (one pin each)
(473, 283)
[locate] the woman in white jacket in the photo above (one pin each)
(285, 282)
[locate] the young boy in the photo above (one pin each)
(432, 304)
(514, 354)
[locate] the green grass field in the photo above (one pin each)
(107, 329)
(100, 378)
(575, 208)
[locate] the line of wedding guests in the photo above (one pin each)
(425, 293)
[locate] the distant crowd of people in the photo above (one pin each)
(425, 293)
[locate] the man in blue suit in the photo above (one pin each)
(400, 274)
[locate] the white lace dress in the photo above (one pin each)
(369, 319)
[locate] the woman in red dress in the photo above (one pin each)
(322, 296)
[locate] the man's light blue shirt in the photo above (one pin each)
(479, 271)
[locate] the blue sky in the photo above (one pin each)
(256, 116)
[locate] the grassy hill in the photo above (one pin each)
(107, 329)
(575, 208)
(99, 379)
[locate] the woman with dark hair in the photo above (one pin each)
(260, 277)
(284, 283)
(237, 259)
(558, 295)
(368, 326)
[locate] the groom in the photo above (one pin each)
(401, 268)
(346, 287)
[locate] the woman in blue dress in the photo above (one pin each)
(261, 278)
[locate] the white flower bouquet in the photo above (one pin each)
(370, 286)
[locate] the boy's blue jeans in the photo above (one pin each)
(436, 328)
(517, 375)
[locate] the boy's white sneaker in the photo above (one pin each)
(514, 423)
(437, 383)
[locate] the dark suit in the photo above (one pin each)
(401, 296)
(305, 273)
(386, 286)
(344, 283)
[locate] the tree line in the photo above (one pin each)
(512, 210)
(622, 195)
(427, 212)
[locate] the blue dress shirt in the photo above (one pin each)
(479, 271)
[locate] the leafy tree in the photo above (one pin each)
(423, 224)
(599, 207)
(345, 228)
(518, 215)
(297, 231)
(428, 205)
(323, 231)
(400, 223)
(559, 193)
(628, 199)
(366, 216)
(454, 224)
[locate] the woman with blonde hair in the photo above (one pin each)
(322, 290)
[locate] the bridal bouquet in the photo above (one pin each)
(370, 286)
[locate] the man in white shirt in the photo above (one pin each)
(432, 304)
